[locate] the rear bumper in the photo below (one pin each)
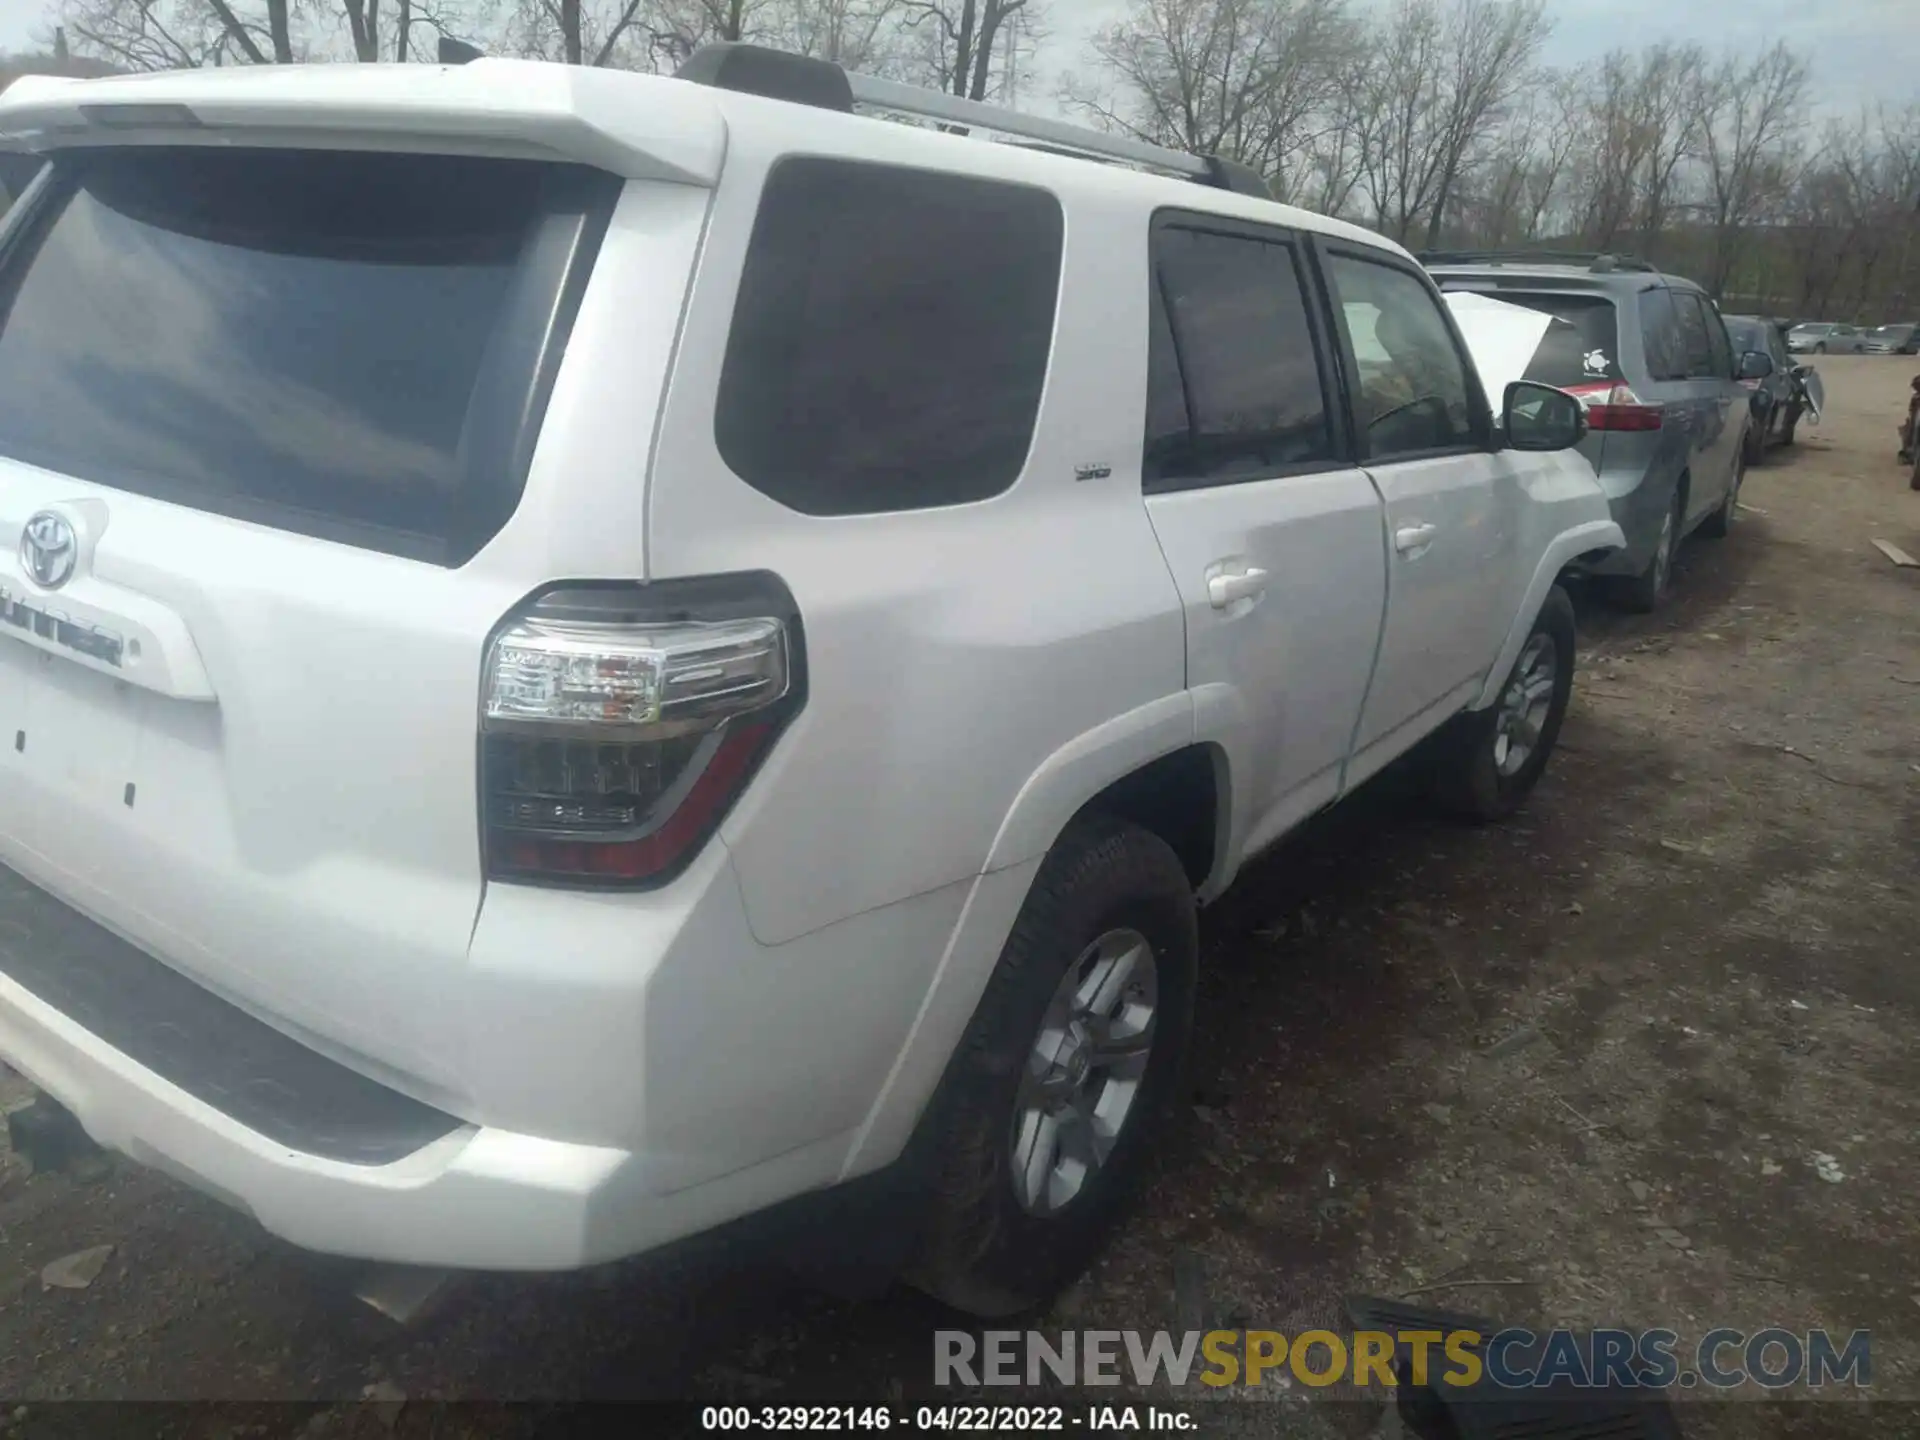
(726, 1077)
(476, 1198)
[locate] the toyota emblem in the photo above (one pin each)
(49, 549)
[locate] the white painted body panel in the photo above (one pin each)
(634, 1067)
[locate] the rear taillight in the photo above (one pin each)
(618, 723)
(1614, 406)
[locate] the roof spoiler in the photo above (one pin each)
(640, 127)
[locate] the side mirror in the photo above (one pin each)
(1539, 417)
(1756, 365)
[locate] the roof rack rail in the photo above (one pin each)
(757, 70)
(1598, 261)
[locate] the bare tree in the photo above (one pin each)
(175, 34)
(1668, 106)
(964, 40)
(859, 34)
(1517, 174)
(1433, 86)
(1249, 79)
(1752, 112)
(1488, 49)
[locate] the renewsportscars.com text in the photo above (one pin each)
(1514, 1358)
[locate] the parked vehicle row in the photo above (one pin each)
(636, 652)
(1780, 395)
(1668, 417)
(1900, 339)
(1821, 337)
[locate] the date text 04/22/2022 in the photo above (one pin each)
(933, 1419)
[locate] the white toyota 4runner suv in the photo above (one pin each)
(585, 654)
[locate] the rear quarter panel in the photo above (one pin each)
(950, 651)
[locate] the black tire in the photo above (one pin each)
(1913, 480)
(982, 1250)
(1786, 430)
(1819, 349)
(1467, 777)
(1755, 443)
(1646, 592)
(1717, 525)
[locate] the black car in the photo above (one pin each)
(1777, 398)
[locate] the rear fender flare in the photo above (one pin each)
(1564, 548)
(1056, 791)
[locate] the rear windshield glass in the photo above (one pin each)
(1583, 351)
(1746, 335)
(345, 345)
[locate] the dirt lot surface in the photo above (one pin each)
(1601, 1055)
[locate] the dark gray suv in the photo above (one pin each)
(1649, 356)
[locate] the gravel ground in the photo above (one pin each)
(1591, 1055)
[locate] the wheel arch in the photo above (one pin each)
(1142, 766)
(1572, 544)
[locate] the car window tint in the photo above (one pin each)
(1583, 350)
(1413, 389)
(341, 344)
(1660, 337)
(891, 337)
(1717, 341)
(1235, 390)
(1694, 336)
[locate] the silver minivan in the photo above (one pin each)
(1649, 356)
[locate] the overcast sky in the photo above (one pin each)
(1864, 50)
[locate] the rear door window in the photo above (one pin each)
(891, 337)
(1660, 336)
(348, 345)
(1717, 341)
(1234, 389)
(1695, 336)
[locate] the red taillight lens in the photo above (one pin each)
(618, 723)
(1616, 407)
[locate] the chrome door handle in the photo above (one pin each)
(1409, 538)
(1223, 590)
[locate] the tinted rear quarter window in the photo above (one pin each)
(1694, 335)
(345, 345)
(1717, 340)
(1234, 387)
(1660, 337)
(891, 337)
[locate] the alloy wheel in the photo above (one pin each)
(1084, 1071)
(1522, 716)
